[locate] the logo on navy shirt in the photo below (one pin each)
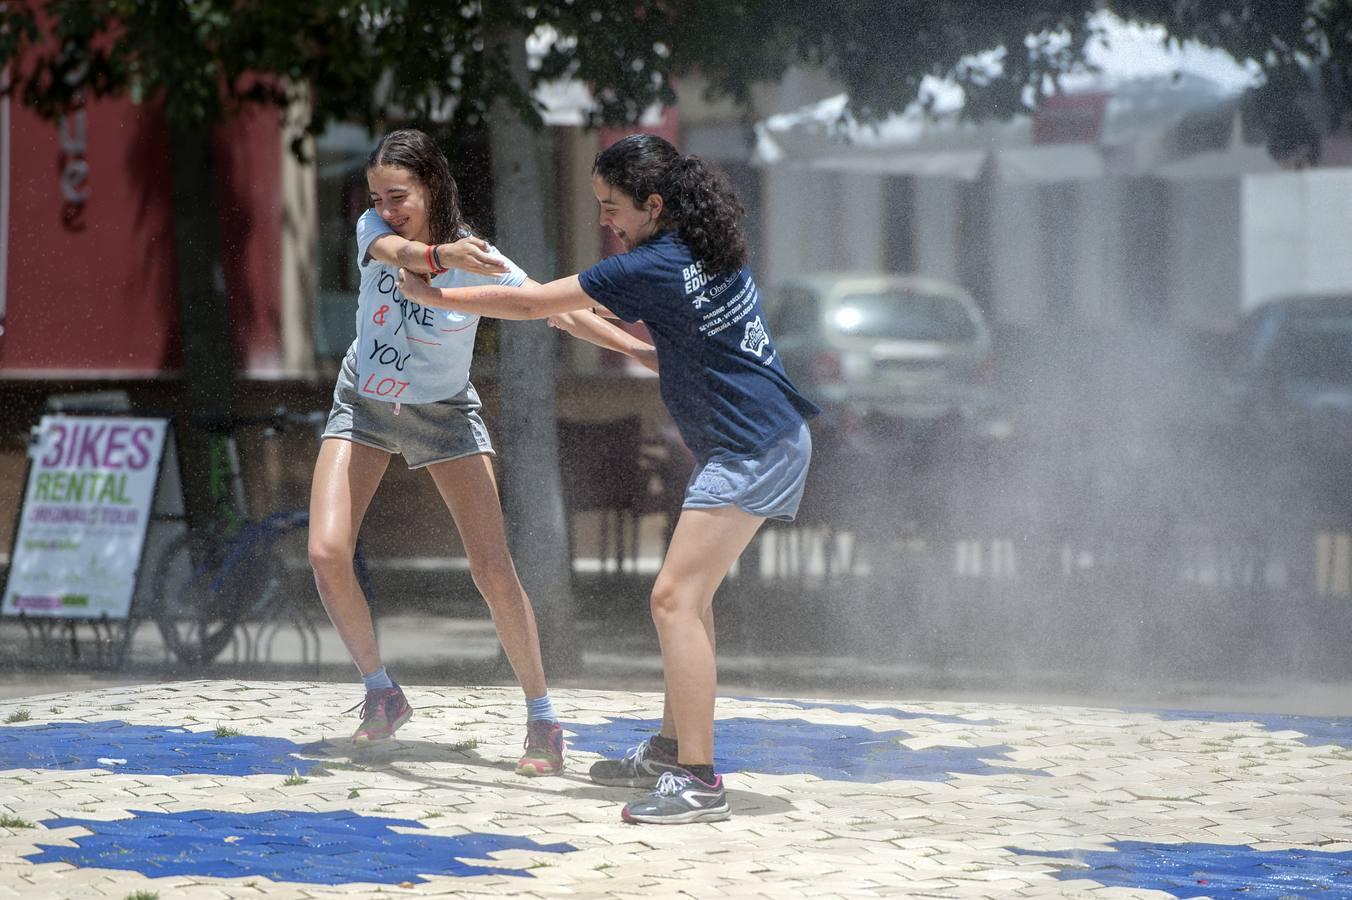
(755, 337)
(694, 276)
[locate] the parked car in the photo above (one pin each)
(1290, 385)
(906, 347)
(902, 368)
(1291, 374)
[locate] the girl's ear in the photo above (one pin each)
(654, 205)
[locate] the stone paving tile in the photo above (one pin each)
(835, 799)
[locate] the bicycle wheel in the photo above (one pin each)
(273, 585)
(195, 618)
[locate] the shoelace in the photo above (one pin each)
(670, 783)
(637, 754)
(360, 703)
(543, 731)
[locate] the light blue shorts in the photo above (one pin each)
(769, 485)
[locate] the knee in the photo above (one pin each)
(664, 601)
(496, 580)
(329, 558)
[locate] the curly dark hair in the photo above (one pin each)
(697, 199)
(415, 152)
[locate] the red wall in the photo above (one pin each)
(248, 152)
(89, 286)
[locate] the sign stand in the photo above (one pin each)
(110, 643)
(95, 486)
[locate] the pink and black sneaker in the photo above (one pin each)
(382, 712)
(545, 749)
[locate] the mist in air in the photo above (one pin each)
(1126, 518)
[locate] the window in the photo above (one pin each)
(904, 315)
(341, 199)
(1316, 349)
(795, 312)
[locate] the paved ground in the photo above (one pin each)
(449, 649)
(211, 789)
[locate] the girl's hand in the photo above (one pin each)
(414, 286)
(471, 255)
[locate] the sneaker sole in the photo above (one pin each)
(647, 783)
(535, 769)
(716, 814)
(398, 723)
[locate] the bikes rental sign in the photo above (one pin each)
(83, 523)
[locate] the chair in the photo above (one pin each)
(602, 469)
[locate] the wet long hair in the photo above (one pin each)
(697, 199)
(416, 153)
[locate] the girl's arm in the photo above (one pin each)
(529, 301)
(469, 253)
(555, 300)
(591, 327)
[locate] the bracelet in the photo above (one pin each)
(436, 257)
(432, 262)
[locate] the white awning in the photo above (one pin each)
(1150, 88)
(1050, 162)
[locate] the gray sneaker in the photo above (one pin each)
(680, 799)
(641, 767)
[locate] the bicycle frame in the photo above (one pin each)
(199, 615)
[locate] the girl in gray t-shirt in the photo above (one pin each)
(404, 388)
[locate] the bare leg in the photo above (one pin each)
(471, 493)
(346, 477)
(705, 545)
(668, 729)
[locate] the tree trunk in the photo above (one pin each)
(532, 492)
(207, 398)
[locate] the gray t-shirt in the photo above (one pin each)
(407, 353)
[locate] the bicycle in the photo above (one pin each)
(243, 571)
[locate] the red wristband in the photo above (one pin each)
(432, 260)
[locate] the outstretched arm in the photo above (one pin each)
(529, 301)
(588, 326)
(470, 254)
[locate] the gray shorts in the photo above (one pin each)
(424, 433)
(769, 485)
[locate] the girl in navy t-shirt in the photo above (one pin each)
(684, 276)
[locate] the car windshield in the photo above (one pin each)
(1317, 348)
(904, 315)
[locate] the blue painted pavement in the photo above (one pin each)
(799, 747)
(147, 750)
(304, 847)
(1212, 870)
(1318, 732)
(892, 711)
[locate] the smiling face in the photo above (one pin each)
(631, 222)
(401, 200)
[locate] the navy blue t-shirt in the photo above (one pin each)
(721, 378)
